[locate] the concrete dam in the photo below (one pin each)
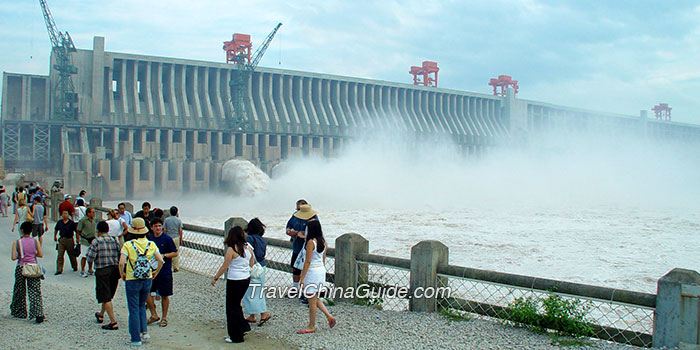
(149, 125)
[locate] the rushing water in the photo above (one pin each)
(618, 214)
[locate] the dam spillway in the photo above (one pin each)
(151, 124)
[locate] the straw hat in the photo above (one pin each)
(305, 212)
(138, 227)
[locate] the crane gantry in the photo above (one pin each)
(238, 53)
(65, 98)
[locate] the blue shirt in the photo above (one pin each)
(297, 224)
(259, 247)
(165, 245)
(127, 217)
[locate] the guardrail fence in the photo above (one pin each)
(669, 318)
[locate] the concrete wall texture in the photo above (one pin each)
(151, 123)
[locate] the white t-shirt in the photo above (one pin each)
(115, 227)
(79, 213)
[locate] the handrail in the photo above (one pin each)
(545, 284)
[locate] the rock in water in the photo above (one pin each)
(243, 178)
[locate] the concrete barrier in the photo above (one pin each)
(426, 256)
(677, 314)
(347, 248)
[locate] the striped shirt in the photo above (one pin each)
(104, 251)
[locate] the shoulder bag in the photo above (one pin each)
(256, 271)
(28, 215)
(31, 270)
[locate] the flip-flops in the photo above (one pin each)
(331, 322)
(305, 331)
(153, 319)
(163, 323)
(263, 320)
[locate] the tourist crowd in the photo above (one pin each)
(142, 250)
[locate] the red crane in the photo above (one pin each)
(422, 75)
(238, 49)
(662, 111)
(503, 82)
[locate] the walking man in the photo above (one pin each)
(87, 231)
(40, 223)
(65, 229)
(163, 283)
(125, 215)
(104, 252)
(173, 228)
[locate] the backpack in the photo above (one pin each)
(141, 268)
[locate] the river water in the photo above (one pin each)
(615, 213)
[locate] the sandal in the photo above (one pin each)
(305, 331)
(100, 318)
(112, 326)
(153, 319)
(263, 320)
(251, 320)
(163, 323)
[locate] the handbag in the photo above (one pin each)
(30, 270)
(76, 250)
(256, 271)
(299, 262)
(28, 216)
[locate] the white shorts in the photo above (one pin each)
(83, 251)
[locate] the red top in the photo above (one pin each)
(66, 205)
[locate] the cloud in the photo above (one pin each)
(624, 55)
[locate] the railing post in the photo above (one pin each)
(347, 247)
(676, 318)
(234, 221)
(425, 258)
(56, 199)
(94, 203)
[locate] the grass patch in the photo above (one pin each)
(566, 317)
(453, 315)
(376, 303)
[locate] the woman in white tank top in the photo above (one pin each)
(237, 262)
(313, 275)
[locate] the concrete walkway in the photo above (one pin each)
(69, 305)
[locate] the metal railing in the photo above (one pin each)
(612, 314)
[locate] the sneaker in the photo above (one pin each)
(57, 273)
(145, 336)
(91, 272)
(83, 274)
(228, 340)
(134, 343)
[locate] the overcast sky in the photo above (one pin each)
(616, 56)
